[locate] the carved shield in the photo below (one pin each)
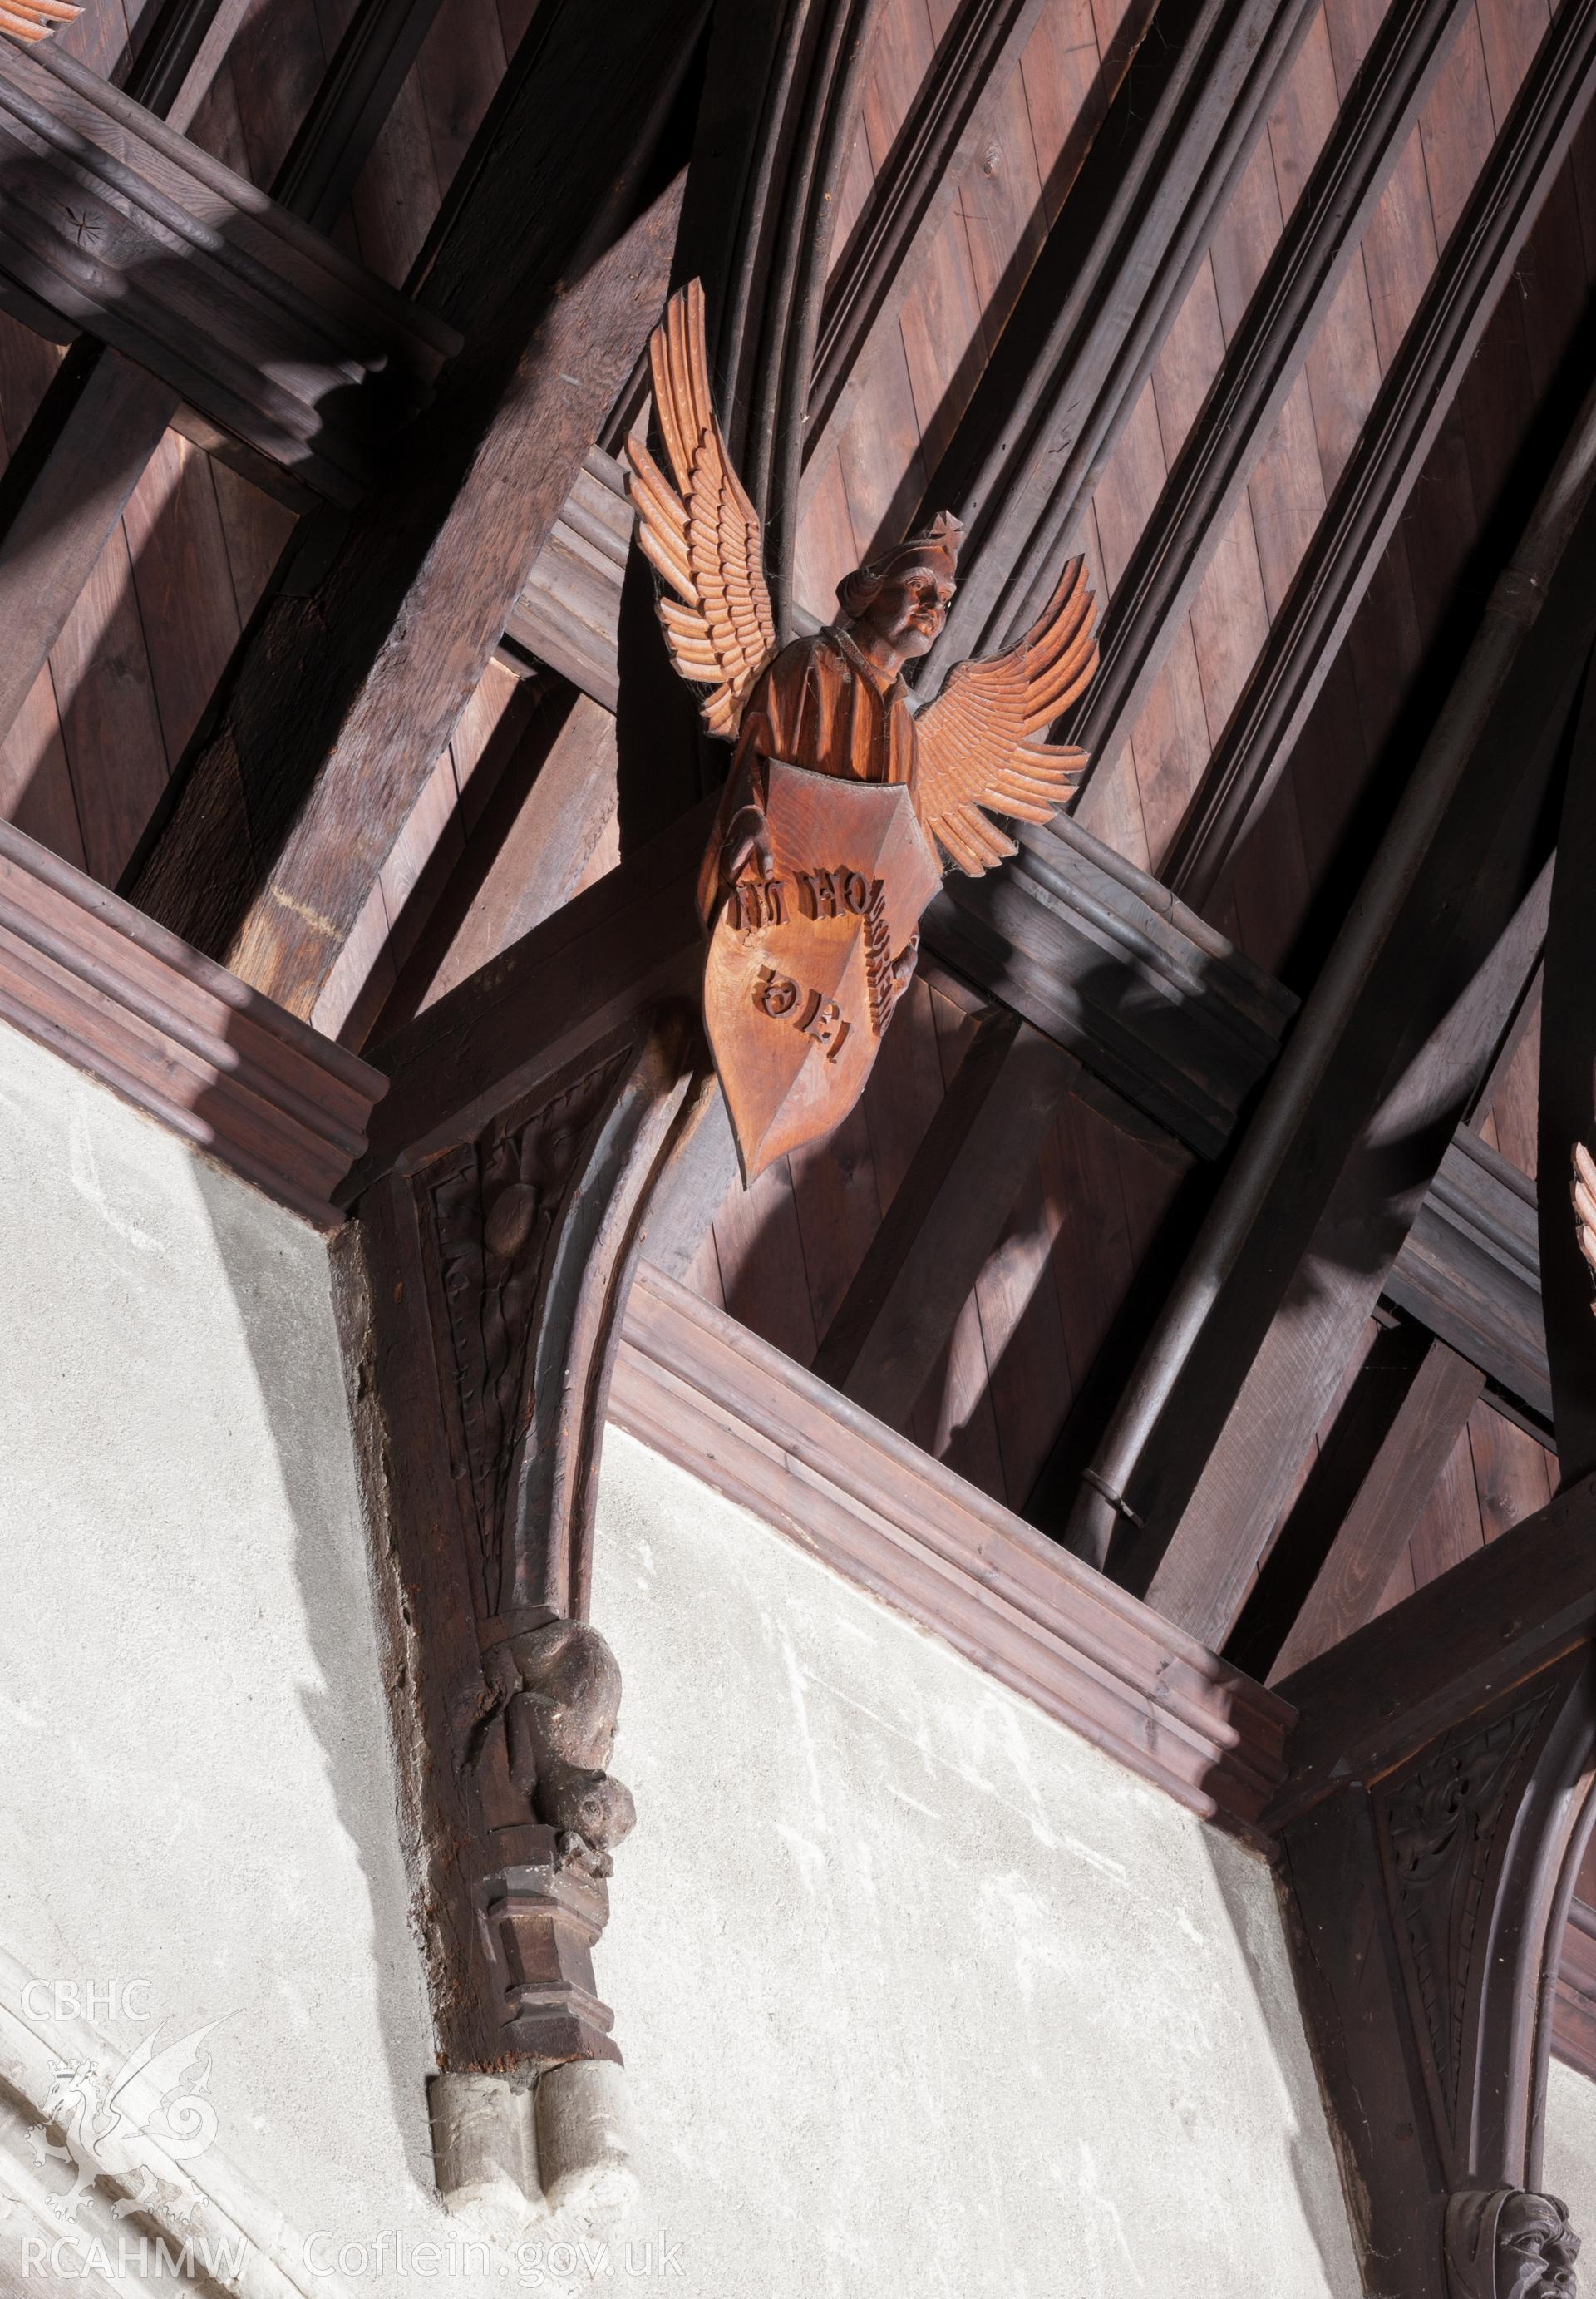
(799, 986)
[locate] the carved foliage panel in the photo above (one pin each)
(494, 1207)
(1444, 1825)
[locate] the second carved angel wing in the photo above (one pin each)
(35, 20)
(974, 746)
(1584, 1203)
(701, 535)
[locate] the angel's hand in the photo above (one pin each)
(904, 965)
(747, 840)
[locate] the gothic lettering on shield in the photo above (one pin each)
(799, 986)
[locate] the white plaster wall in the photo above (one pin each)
(921, 1993)
(1569, 2168)
(195, 1791)
(918, 1992)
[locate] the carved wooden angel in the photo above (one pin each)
(840, 793)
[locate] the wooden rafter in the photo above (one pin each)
(285, 811)
(939, 143)
(1099, 303)
(103, 415)
(1355, 1121)
(1347, 1533)
(1262, 360)
(1351, 537)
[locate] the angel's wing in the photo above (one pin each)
(34, 20)
(1584, 1203)
(972, 745)
(702, 534)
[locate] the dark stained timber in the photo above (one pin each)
(946, 1216)
(1368, 499)
(920, 176)
(1100, 299)
(1261, 361)
(1566, 1113)
(1403, 1020)
(289, 802)
(1431, 1832)
(128, 231)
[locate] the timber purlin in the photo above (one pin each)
(1102, 960)
(1471, 1270)
(127, 230)
(1147, 996)
(175, 1034)
(697, 1387)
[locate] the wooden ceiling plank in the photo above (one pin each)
(1102, 296)
(1209, 479)
(1342, 1541)
(535, 839)
(288, 809)
(1368, 499)
(1401, 1021)
(1514, 1472)
(103, 417)
(61, 494)
(914, 188)
(946, 1218)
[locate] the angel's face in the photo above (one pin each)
(909, 611)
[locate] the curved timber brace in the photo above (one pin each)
(1431, 1831)
(497, 1267)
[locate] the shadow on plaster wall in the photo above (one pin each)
(279, 1274)
(1328, 2212)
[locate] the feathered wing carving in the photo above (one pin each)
(1585, 1204)
(35, 20)
(973, 745)
(701, 535)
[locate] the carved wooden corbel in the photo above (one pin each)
(1431, 1829)
(1509, 2243)
(496, 1269)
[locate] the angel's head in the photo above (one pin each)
(901, 598)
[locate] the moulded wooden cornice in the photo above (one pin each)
(180, 1037)
(697, 1388)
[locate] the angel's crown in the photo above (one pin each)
(935, 548)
